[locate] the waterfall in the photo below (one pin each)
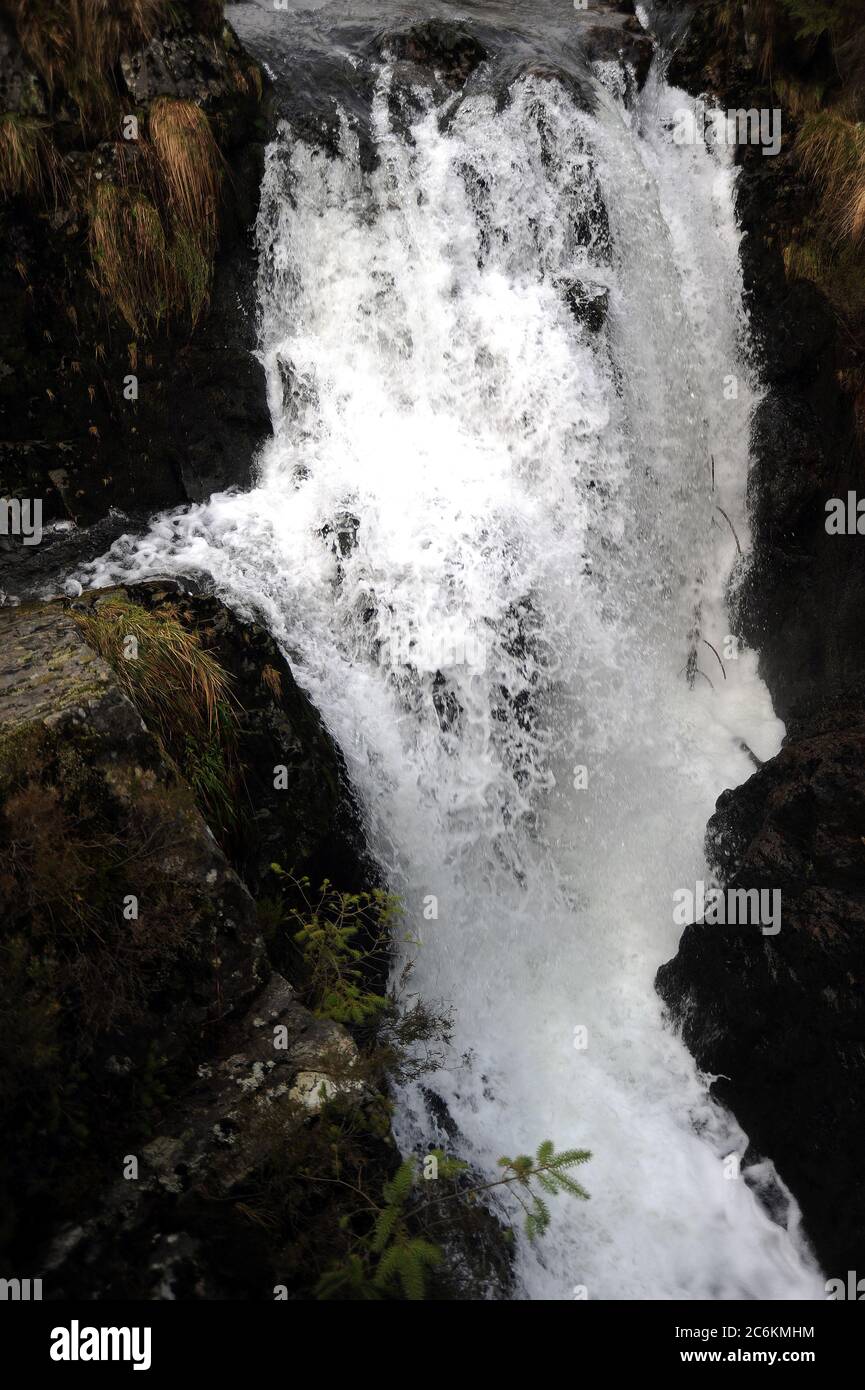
(493, 531)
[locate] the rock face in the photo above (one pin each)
(451, 50)
(71, 434)
(157, 1235)
(313, 825)
(779, 1020)
(454, 51)
(152, 1056)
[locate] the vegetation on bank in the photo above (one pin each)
(399, 1252)
(182, 692)
(150, 189)
(812, 55)
(383, 1228)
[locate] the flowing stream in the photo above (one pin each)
(507, 366)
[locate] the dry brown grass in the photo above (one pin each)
(831, 148)
(183, 694)
(154, 225)
(273, 680)
(75, 44)
(150, 274)
(190, 164)
(130, 255)
(180, 689)
(27, 165)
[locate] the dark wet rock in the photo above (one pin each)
(448, 49)
(589, 303)
(447, 706)
(789, 472)
(780, 1020)
(21, 90)
(153, 1237)
(443, 1123)
(341, 533)
(298, 392)
(799, 333)
(313, 824)
(592, 221)
(618, 38)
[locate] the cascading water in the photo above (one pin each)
(489, 531)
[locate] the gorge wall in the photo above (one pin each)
(779, 1021)
(133, 149)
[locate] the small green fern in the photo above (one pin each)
(393, 1259)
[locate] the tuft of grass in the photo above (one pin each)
(27, 157)
(154, 228)
(181, 691)
(149, 272)
(191, 274)
(191, 168)
(131, 265)
(20, 160)
(831, 148)
(273, 680)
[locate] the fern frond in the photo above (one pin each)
(397, 1190)
(411, 1275)
(384, 1228)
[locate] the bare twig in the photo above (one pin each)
(720, 662)
(731, 526)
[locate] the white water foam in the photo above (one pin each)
(533, 550)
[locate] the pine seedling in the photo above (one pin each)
(548, 1171)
